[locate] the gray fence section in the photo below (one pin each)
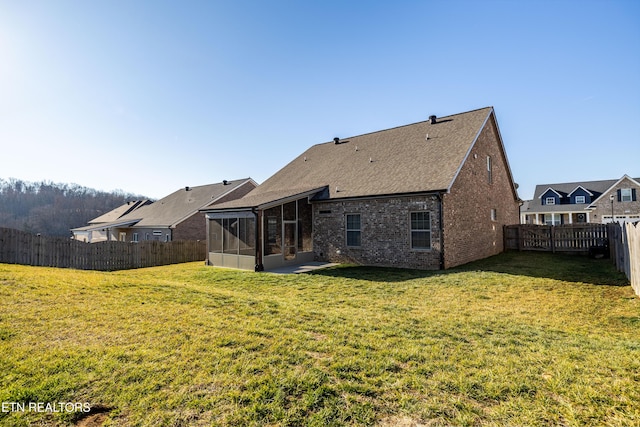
(18, 247)
(625, 251)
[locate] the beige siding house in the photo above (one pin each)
(94, 232)
(429, 195)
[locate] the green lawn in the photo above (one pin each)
(521, 339)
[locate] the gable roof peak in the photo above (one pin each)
(578, 187)
(547, 190)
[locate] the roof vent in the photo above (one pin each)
(336, 140)
(187, 188)
(433, 119)
(225, 182)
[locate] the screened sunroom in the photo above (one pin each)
(232, 239)
(260, 238)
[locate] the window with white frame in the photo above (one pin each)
(420, 230)
(625, 195)
(580, 200)
(135, 237)
(354, 231)
(550, 201)
(553, 219)
(489, 170)
(494, 215)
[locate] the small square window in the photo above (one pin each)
(580, 200)
(550, 201)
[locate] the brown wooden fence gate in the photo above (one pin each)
(570, 238)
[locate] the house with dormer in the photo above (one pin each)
(428, 195)
(584, 202)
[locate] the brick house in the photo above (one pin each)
(584, 202)
(429, 195)
(174, 217)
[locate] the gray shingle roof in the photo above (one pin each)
(175, 207)
(597, 188)
(181, 204)
(118, 212)
(400, 160)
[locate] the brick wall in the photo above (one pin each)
(470, 233)
(192, 228)
(385, 232)
(237, 193)
(603, 207)
(195, 227)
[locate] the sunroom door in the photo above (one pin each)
(290, 239)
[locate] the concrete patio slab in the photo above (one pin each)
(302, 268)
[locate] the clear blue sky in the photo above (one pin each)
(151, 96)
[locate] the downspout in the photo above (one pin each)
(208, 220)
(258, 215)
(440, 220)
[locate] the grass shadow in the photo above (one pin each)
(570, 268)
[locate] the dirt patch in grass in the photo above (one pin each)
(400, 422)
(96, 417)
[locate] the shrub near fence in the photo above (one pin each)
(623, 241)
(18, 247)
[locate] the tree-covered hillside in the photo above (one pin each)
(53, 209)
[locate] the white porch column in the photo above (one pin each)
(570, 219)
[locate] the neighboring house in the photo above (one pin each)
(429, 195)
(584, 202)
(174, 217)
(92, 234)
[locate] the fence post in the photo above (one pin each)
(633, 235)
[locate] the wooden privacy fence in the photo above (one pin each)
(625, 251)
(570, 238)
(18, 247)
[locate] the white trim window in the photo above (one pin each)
(489, 170)
(135, 238)
(625, 195)
(581, 200)
(553, 219)
(550, 201)
(420, 230)
(494, 215)
(354, 230)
